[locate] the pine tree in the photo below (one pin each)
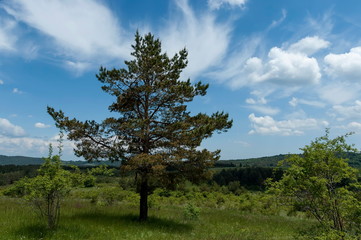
(154, 135)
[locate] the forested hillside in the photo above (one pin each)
(22, 160)
(269, 161)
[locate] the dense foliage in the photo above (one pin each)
(321, 183)
(12, 173)
(249, 177)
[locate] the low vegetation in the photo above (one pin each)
(106, 212)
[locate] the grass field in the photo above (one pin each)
(82, 220)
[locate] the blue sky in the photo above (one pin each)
(284, 70)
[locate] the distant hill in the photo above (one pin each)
(21, 160)
(270, 161)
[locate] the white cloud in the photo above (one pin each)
(41, 125)
(264, 109)
(251, 101)
(339, 92)
(322, 24)
(17, 91)
(268, 126)
(348, 112)
(1, 82)
(293, 102)
(7, 38)
(284, 68)
(216, 4)
(9, 129)
(30, 51)
(309, 45)
(260, 100)
(78, 67)
(23, 146)
(230, 70)
(290, 67)
(205, 40)
(81, 29)
(346, 66)
(275, 23)
(259, 104)
(296, 101)
(354, 126)
(38, 147)
(299, 114)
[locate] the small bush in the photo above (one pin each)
(191, 212)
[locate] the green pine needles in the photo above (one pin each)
(153, 134)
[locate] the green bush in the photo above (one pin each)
(191, 212)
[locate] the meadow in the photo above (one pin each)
(108, 212)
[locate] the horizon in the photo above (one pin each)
(82, 160)
(283, 70)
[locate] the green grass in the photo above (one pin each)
(82, 220)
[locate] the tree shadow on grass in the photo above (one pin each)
(131, 220)
(40, 231)
(34, 231)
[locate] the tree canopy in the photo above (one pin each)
(321, 183)
(154, 135)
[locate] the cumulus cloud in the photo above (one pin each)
(22, 145)
(41, 125)
(81, 29)
(9, 129)
(266, 125)
(292, 66)
(309, 45)
(284, 68)
(345, 66)
(30, 146)
(205, 39)
(216, 4)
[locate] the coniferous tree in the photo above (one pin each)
(153, 135)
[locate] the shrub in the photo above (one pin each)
(191, 212)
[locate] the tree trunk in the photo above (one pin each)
(143, 206)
